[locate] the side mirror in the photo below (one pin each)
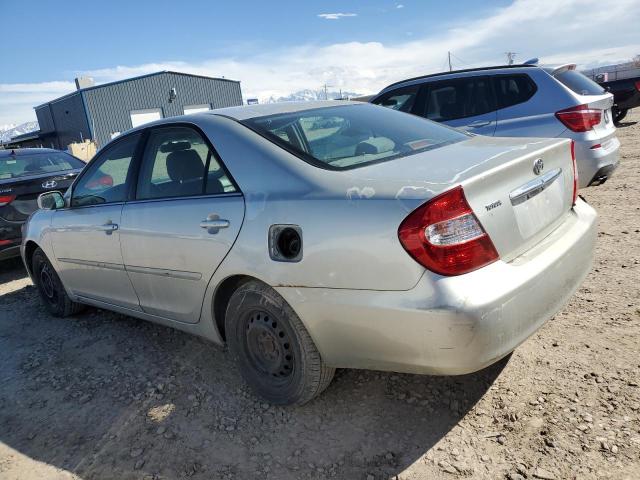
(50, 200)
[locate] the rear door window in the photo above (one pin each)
(402, 99)
(578, 83)
(513, 89)
(178, 163)
(459, 98)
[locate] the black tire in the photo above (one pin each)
(618, 115)
(272, 348)
(50, 287)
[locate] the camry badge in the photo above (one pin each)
(538, 166)
(49, 184)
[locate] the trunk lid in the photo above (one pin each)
(521, 201)
(516, 206)
(27, 189)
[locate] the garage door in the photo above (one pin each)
(140, 117)
(196, 108)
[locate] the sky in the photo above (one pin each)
(277, 48)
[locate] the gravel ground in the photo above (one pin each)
(101, 395)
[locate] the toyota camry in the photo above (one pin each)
(314, 236)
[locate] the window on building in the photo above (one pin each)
(188, 109)
(140, 117)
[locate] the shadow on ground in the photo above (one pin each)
(107, 396)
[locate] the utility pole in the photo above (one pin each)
(449, 57)
(511, 56)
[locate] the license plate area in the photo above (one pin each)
(538, 203)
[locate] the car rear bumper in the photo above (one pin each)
(595, 163)
(451, 325)
(10, 238)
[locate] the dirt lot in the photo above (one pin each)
(107, 396)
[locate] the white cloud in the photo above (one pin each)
(399, 5)
(556, 32)
(336, 16)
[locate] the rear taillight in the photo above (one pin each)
(6, 199)
(575, 172)
(637, 85)
(580, 118)
(445, 236)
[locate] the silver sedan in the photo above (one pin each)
(315, 236)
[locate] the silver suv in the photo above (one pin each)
(519, 101)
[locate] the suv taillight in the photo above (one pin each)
(575, 172)
(637, 85)
(6, 199)
(445, 236)
(580, 118)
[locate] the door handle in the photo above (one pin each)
(108, 228)
(213, 223)
(479, 123)
(218, 223)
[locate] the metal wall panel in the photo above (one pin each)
(109, 106)
(70, 120)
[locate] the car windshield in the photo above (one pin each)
(578, 83)
(13, 166)
(349, 136)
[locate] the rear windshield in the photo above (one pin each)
(349, 136)
(13, 166)
(579, 83)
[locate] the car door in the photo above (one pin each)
(86, 236)
(466, 103)
(185, 217)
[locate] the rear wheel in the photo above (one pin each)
(50, 287)
(274, 351)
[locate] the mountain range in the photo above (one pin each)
(308, 95)
(7, 132)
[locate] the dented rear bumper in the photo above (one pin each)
(451, 325)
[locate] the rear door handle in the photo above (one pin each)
(219, 223)
(479, 123)
(213, 223)
(108, 228)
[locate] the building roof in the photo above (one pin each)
(103, 85)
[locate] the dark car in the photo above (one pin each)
(626, 95)
(24, 174)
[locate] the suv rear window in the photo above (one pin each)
(578, 83)
(349, 136)
(13, 166)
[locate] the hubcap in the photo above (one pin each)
(46, 280)
(268, 345)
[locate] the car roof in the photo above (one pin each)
(251, 111)
(18, 152)
(457, 72)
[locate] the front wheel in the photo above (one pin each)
(50, 287)
(273, 349)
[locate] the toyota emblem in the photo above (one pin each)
(538, 166)
(49, 184)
